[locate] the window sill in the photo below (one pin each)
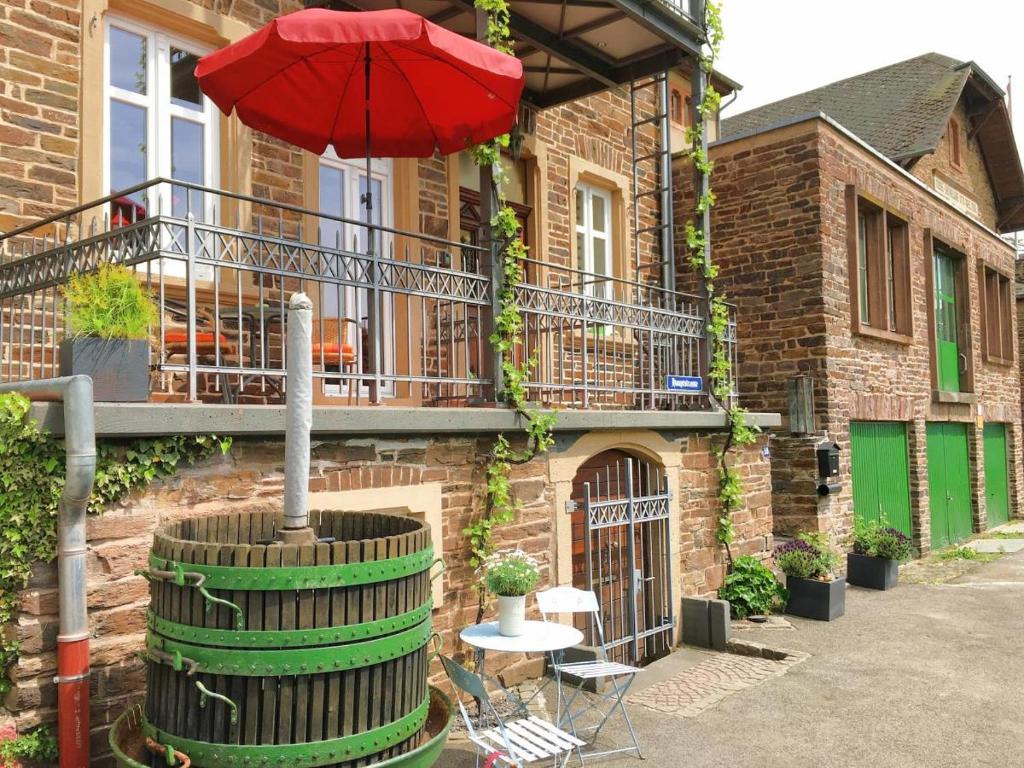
(878, 333)
(964, 398)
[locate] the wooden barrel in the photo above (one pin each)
(268, 654)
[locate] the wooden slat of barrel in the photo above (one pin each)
(254, 619)
(271, 619)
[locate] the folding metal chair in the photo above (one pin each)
(513, 743)
(617, 677)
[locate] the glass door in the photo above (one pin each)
(946, 332)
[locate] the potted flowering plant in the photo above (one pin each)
(511, 575)
(877, 551)
(815, 592)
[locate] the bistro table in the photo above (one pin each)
(538, 637)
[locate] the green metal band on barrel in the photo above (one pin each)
(273, 578)
(297, 661)
(310, 754)
(287, 638)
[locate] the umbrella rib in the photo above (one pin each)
(451, 65)
(341, 99)
(416, 98)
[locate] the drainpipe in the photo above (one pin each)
(73, 638)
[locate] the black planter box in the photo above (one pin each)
(813, 599)
(119, 367)
(872, 572)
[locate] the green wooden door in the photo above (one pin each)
(949, 485)
(947, 347)
(997, 494)
(881, 480)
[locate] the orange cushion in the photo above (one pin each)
(332, 352)
(203, 338)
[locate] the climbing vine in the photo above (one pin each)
(31, 482)
(501, 506)
(720, 374)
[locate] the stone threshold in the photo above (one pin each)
(151, 419)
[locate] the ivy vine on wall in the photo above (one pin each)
(31, 482)
(501, 507)
(720, 373)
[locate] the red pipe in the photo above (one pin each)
(73, 702)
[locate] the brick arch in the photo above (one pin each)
(368, 476)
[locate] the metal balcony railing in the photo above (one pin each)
(400, 318)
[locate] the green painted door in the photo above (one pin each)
(949, 485)
(997, 494)
(881, 480)
(946, 345)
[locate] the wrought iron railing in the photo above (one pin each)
(600, 341)
(405, 321)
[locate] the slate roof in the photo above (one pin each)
(901, 110)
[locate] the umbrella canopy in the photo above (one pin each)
(314, 78)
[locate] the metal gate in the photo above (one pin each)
(626, 558)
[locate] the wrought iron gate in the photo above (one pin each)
(627, 563)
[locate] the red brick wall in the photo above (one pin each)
(250, 478)
(779, 237)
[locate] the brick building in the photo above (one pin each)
(858, 233)
(97, 96)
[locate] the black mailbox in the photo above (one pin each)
(828, 460)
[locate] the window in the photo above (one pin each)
(158, 123)
(594, 239)
(676, 102)
(953, 132)
(996, 315)
(342, 187)
(880, 288)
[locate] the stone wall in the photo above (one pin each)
(250, 478)
(780, 239)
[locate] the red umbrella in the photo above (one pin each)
(315, 77)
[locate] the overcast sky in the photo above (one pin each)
(781, 47)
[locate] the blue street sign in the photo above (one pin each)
(684, 383)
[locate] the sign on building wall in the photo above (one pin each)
(692, 384)
(955, 197)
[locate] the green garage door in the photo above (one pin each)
(881, 483)
(949, 486)
(997, 495)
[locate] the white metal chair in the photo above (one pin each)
(617, 677)
(513, 743)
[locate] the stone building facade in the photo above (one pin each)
(794, 234)
(55, 154)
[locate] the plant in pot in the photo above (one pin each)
(752, 589)
(877, 551)
(511, 575)
(109, 317)
(815, 592)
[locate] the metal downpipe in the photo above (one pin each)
(73, 638)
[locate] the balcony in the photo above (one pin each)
(404, 323)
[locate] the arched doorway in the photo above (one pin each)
(620, 550)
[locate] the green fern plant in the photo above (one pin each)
(109, 304)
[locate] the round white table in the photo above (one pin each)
(539, 637)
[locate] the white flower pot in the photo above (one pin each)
(511, 615)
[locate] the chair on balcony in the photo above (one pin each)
(331, 351)
(216, 344)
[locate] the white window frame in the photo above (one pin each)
(160, 110)
(585, 227)
(353, 169)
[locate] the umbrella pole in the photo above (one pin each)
(373, 311)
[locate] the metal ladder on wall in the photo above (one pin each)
(652, 174)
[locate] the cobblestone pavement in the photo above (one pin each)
(702, 686)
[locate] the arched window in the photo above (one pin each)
(675, 110)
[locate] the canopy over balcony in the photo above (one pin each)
(572, 48)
